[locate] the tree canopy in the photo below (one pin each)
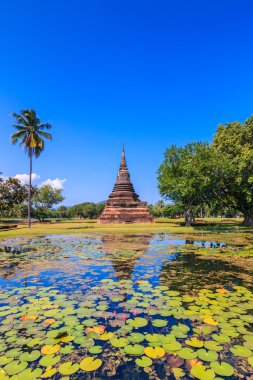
(234, 142)
(191, 176)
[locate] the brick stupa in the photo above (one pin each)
(124, 205)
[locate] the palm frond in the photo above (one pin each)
(45, 126)
(45, 134)
(22, 140)
(19, 127)
(16, 136)
(20, 119)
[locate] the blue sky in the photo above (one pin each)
(144, 73)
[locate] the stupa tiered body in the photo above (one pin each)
(124, 205)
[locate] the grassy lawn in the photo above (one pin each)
(229, 230)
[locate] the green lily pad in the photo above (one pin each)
(135, 349)
(166, 338)
(221, 338)
(93, 335)
(213, 345)
(106, 336)
(200, 372)
(178, 373)
(4, 360)
(96, 350)
(222, 369)
(90, 364)
(194, 342)
(30, 356)
(207, 355)
(144, 361)
(29, 373)
(68, 368)
(152, 338)
(136, 337)
(137, 322)
(49, 360)
(13, 353)
(15, 367)
(241, 351)
(66, 350)
(119, 342)
(159, 323)
(173, 346)
(187, 353)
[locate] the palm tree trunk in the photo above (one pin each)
(29, 192)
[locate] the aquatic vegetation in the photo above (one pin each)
(71, 318)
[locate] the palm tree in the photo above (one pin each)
(30, 134)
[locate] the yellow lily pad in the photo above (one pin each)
(154, 352)
(90, 364)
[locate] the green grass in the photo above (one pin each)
(230, 231)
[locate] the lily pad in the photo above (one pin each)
(144, 361)
(96, 350)
(213, 345)
(137, 322)
(119, 342)
(136, 337)
(178, 373)
(194, 342)
(173, 346)
(90, 364)
(50, 349)
(241, 351)
(200, 372)
(135, 349)
(207, 355)
(106, 336)
(154, 352)
(187, 353)
(50, 372)
(30, 356)
(49, 360)
(29, 373)
(222, 369)
(4, 360)
(68, 368)
(221, 338)
(15, 367)
(159, 323)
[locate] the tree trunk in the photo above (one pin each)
(188, 217)
(248, 220)
(29, 193)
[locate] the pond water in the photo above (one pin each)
(120, 307)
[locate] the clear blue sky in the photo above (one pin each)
(144, 73)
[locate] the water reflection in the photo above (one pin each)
(72, 262)
(124, 252)
(192, 272)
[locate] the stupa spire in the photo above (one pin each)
(123, 158)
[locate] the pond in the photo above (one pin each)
(122, 306)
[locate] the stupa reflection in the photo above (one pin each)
(124, 251)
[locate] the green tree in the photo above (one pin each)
(45, 199)
(11, 193)
(31, 134)
(234, 142)
(172, 211)
(63, 211)
(87, 210)
(190, 176)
